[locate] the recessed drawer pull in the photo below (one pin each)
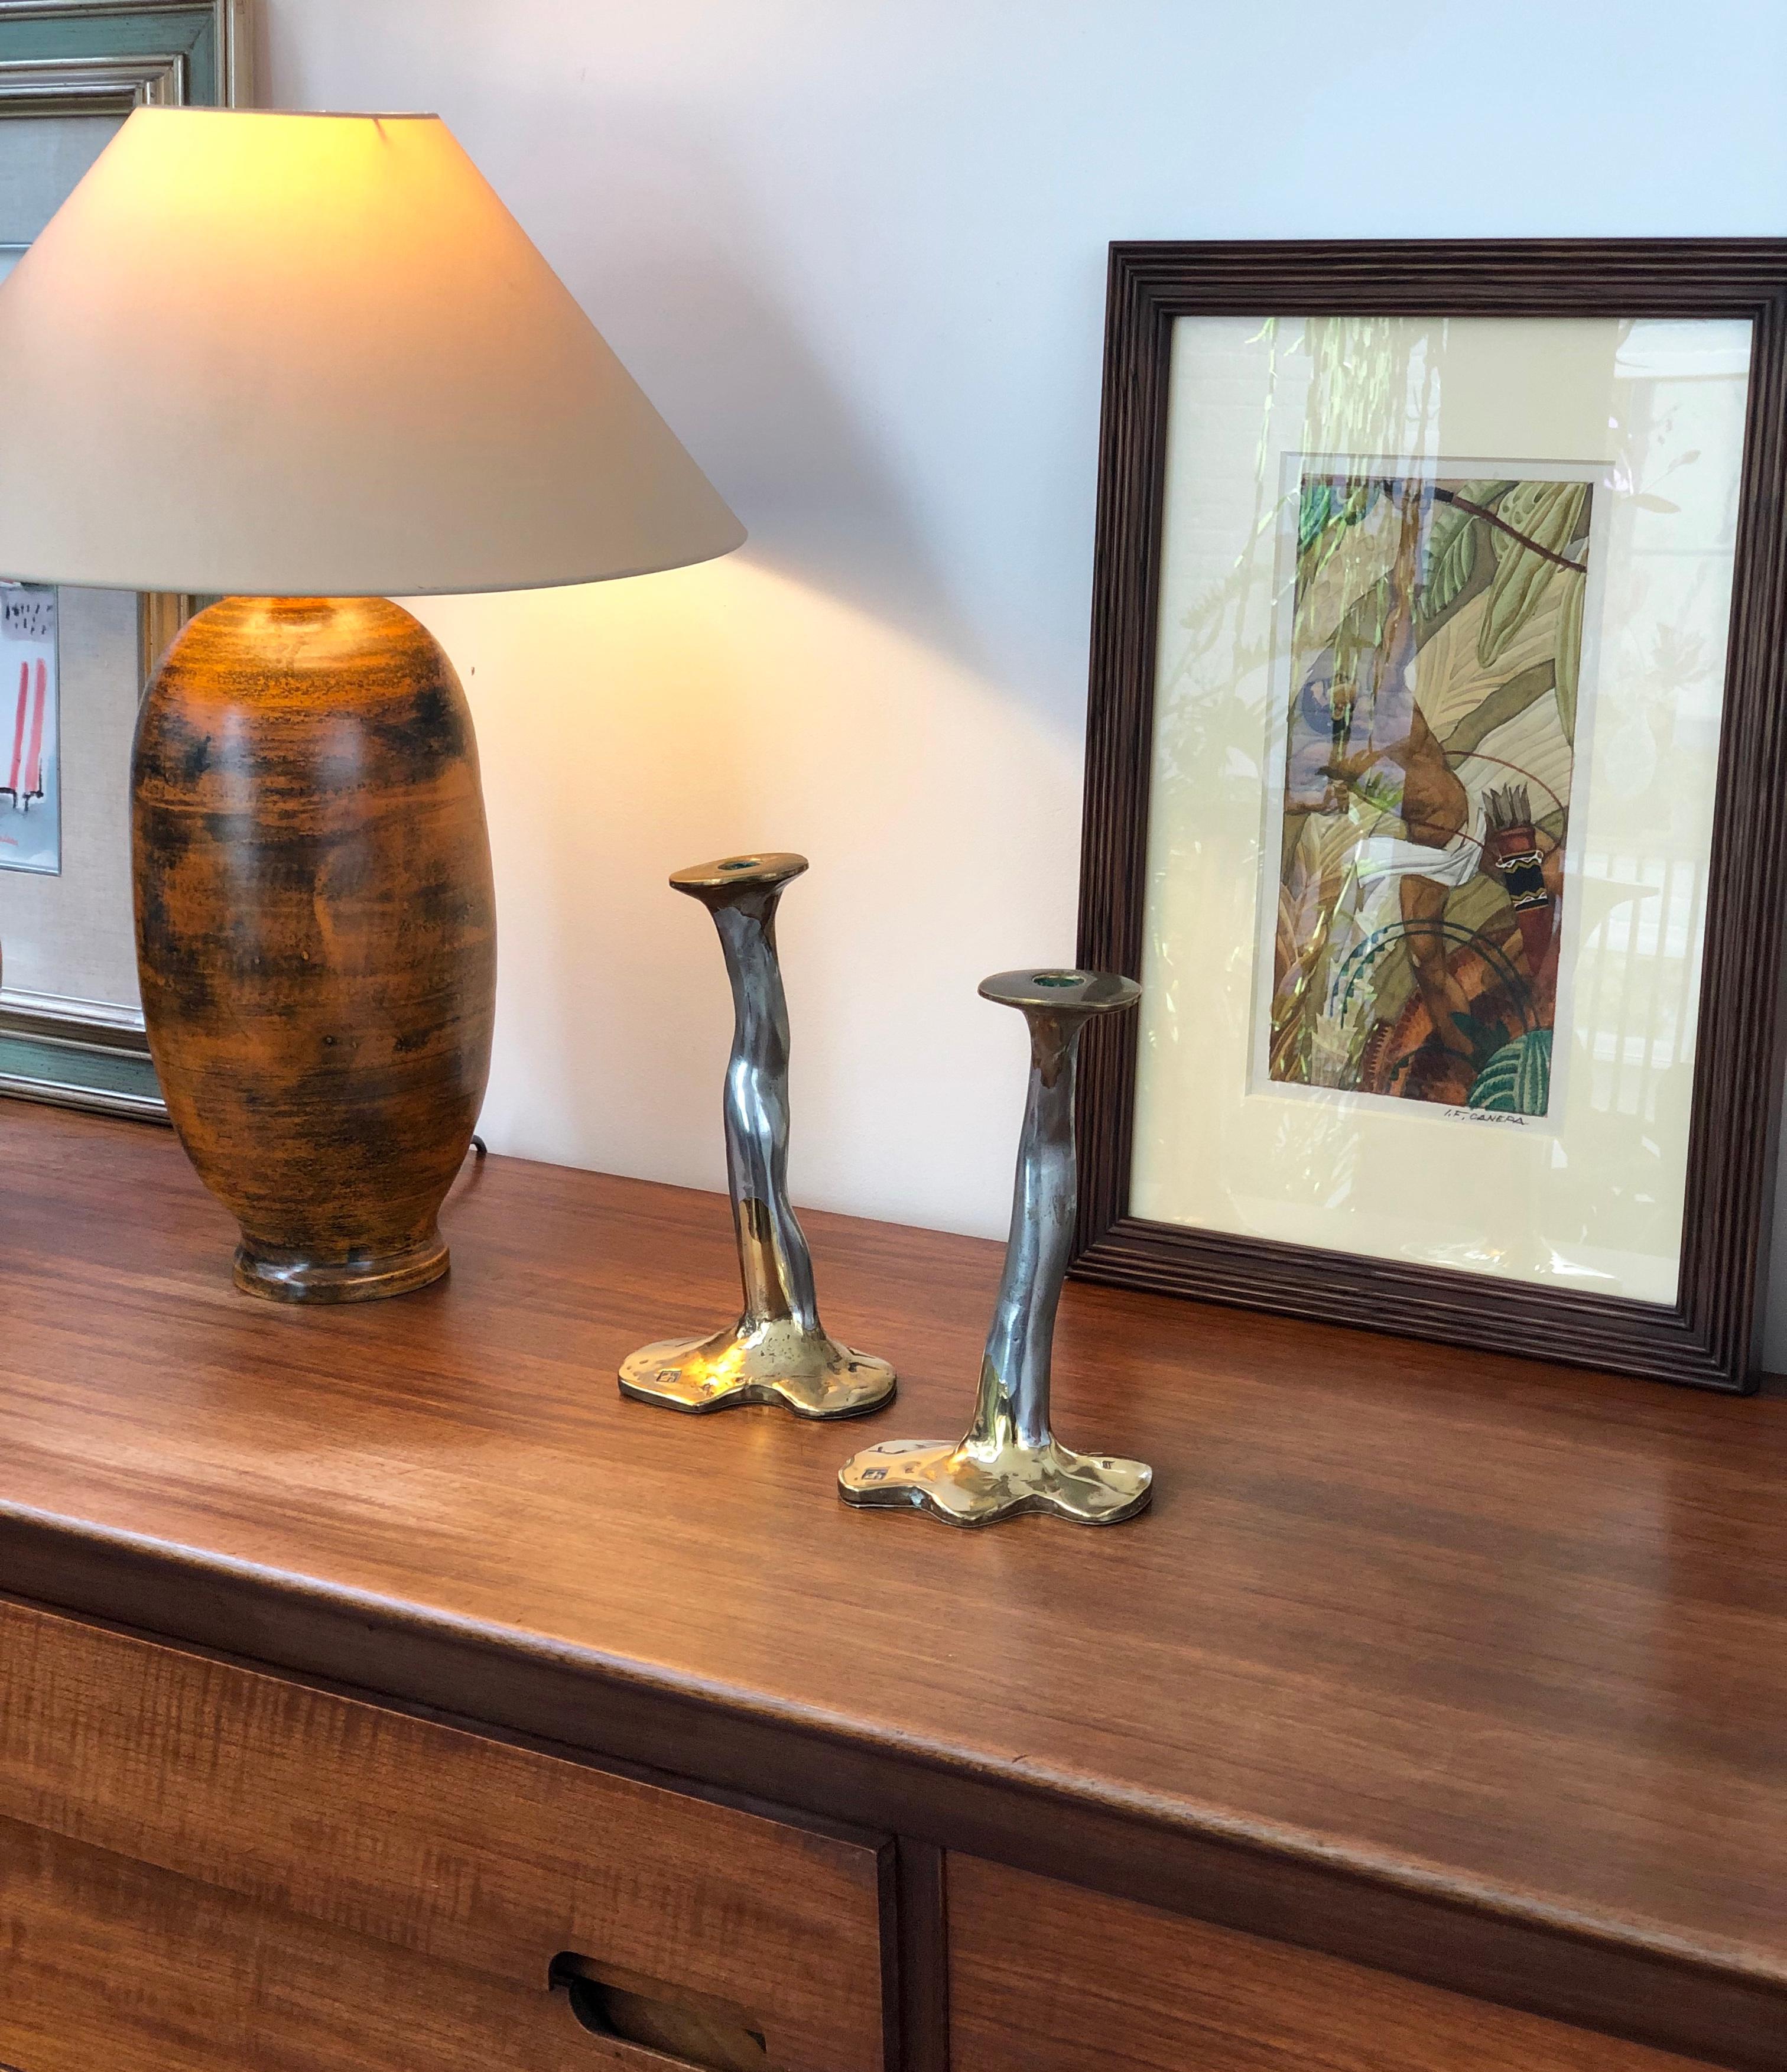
(657, 2028)
(770, 1931)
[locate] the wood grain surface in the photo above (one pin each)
(316, 932)
(1044, 1978)
(115, 1964)
(1468, 1667)
(490, 1857)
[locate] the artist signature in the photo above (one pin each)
(1487, 1115)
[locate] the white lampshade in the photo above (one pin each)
(276, 355)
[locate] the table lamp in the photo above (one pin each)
(301, 363)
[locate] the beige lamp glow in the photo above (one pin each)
(302, 362)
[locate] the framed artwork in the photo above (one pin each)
(73, 663)
(1436, 786)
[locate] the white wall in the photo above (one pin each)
(854, 249)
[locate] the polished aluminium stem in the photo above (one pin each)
(776, 1267)
(1009, 1461)
(777, 1352)
(1013, 1408)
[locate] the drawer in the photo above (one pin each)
(1047, 1978)
(111, 1963)
(461, 1865)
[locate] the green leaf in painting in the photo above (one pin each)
(1569, 655)
(1483, 494)
(1547, 514)
(1452, 555)
(1312, 513)
(1517, 1079)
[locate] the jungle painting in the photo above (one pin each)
(1435, 642)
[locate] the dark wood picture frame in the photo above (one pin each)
(1711, 1337)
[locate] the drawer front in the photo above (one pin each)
(111, 1963)
(1047, 1978)
(490, 1860)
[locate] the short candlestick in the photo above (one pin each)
(1009, 1460)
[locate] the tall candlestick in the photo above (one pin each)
(779, 1351)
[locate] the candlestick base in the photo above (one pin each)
(775, 1362)
(976, 1483)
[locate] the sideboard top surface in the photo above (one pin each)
(1511, 1634)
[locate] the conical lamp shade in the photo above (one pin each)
(314, 355)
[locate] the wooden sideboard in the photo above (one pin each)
(378, 1689)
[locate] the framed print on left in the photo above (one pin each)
(73, 662)
(1436, 789)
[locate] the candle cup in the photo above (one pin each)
(778, 1352)
(1009, 1461)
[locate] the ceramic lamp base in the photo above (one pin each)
(968, 1484)
(283, 1277)
(774, 1362)
(316, 934)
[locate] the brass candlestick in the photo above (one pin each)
(1009, 1461)
(779, 1351)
